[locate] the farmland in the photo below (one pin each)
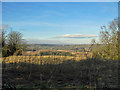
(48, 56)
(58, 68)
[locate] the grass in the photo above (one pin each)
(55, 71)
(67, 74)
(50, 59)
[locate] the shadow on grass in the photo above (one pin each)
(89, 73)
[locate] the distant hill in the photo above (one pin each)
(78, 47)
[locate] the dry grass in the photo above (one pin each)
(59, 71)
(29, 57)
(50, 59)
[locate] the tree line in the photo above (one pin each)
(108, 46)
(12, 43)
(56, 53)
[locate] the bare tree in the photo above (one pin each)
(109, 40)
(15, 42)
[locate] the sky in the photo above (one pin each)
(60, 0)
(58, 22)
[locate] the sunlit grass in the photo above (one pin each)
(49, 59)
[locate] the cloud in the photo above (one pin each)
(77, 36)
(59, 41)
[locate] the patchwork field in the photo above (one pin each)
(45, 59)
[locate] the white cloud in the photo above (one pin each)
(60, 41)
(77, 36)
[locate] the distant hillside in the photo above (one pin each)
(57, 47)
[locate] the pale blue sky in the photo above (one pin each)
(60, 0)
(43, 22)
